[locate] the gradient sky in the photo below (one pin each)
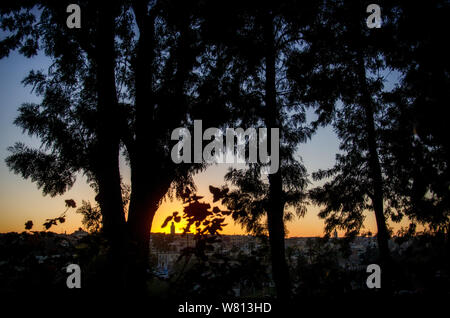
(20, 200)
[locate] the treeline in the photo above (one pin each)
(136, 70)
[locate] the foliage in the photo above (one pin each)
(317, 270)
(92, 216)
(249, 64)
(62, 218)
(417, 155)
(338, 74)
(28, 225)
(218, 275)
(248, 201)
(199, 214)
(202, 271)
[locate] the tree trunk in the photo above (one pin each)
(152, 172)
(275, 212)
(107, 156)
(150, 179)
(375, 175)
(142, 212)
(142, 207)
(145, 200)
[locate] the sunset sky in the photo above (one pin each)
(20, 200)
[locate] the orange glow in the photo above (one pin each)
(20, 201)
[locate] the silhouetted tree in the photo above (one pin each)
(137, 70)
(341, 74)
(264, 36)
(78, 118)
(417, 152)
(106, 85)
(170, 88)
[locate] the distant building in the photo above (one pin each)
(335, 234)
(80, 233)
(172, 229)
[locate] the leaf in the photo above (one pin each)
(29, 225)
(185, 195)
(49, 223)
(166, 221)
(196, 197)
(218, 193)
(215, 192)
(70, 203)
(177, 219)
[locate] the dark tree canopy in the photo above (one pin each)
(137, 70)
